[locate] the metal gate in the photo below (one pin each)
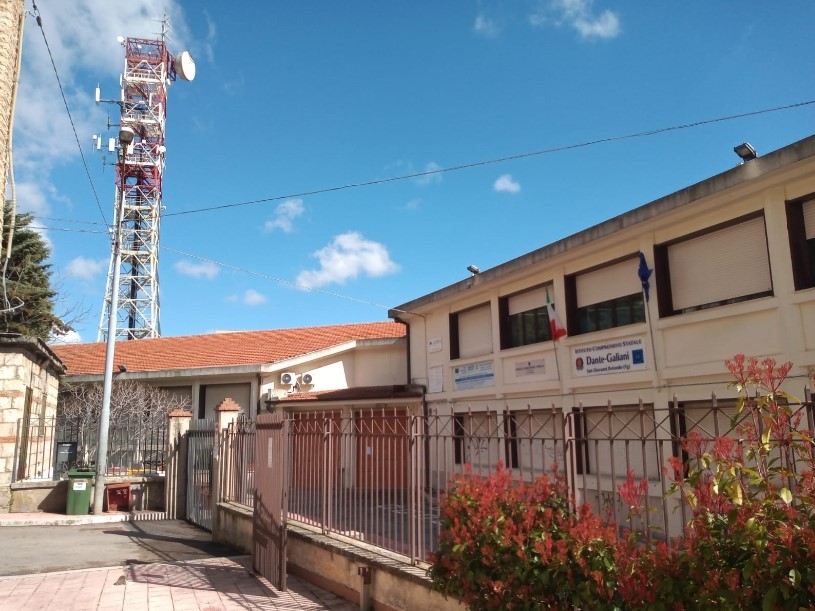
(271, 498)
(200, 457)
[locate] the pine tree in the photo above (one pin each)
(27, 299)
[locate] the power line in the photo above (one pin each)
(64, 220)
(475, 164)
(68, 110)
(67, 230)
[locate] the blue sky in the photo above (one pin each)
(299, 97)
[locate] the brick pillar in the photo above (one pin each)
(175, 478)
(225, 413)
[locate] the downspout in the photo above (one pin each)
(425, 414)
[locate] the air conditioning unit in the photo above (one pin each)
(287, 377)
(307, 378)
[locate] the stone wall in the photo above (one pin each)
(11, 13)
(29, 384)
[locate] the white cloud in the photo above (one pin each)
(285, 214)
(82, 38)
(414, 204)
(204, 269)
(252, 298)
(432, 174)
(484, 26)
(505, 184)
(85, 268)
(579, 15)
(347, 256)
(212, 37)
(71, 337)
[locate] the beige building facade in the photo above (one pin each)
(732, 262)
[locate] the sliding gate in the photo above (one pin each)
(200, 458)
(271, 498)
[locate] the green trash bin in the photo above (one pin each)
(80, 484)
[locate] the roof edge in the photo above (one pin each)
(756, 168)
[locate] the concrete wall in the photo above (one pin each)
(334, 565)
(147, 493)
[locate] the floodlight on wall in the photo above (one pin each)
(745, 151)
(473, 270)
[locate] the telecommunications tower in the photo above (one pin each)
(132, 293)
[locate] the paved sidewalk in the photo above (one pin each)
(197, 584)
(212, 584)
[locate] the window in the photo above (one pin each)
(524, 319)
(725, 264)
(471, 332)
(801, 229)
(605, 298)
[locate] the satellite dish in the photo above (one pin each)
(185, 66)
(120, 40)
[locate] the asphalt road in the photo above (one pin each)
(38, 549)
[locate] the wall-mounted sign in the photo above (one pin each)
(435, 379)
(475, 375)
(617, 356)
(530, 368)
(434, 345)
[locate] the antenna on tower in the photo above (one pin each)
(131, 304)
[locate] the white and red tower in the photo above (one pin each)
(149, 69)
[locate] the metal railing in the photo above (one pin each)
(378, 475)
(48, 448)
(237, 483)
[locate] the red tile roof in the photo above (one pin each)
(220, 349)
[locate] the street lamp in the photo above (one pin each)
(126, 137)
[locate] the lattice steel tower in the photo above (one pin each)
(148, 70)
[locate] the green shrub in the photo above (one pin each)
(750, 543)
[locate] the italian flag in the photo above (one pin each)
(558, 330)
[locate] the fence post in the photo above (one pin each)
(175, 475)
(227, 411)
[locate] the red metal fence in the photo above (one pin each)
(377, 475)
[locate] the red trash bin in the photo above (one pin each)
(117, 497)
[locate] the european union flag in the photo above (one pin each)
(644, 273)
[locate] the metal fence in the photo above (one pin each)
(378, 475)
(237, 483)
(48, 448)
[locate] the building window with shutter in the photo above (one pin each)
(604, 298)
(721, 265)
(471, 332)
(524, 319)
(801, 229)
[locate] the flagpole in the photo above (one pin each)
(644, 274)
(557, 370)
(653, 345)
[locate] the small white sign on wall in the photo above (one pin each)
(530, 368)
(435, 379)
(434, 345)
